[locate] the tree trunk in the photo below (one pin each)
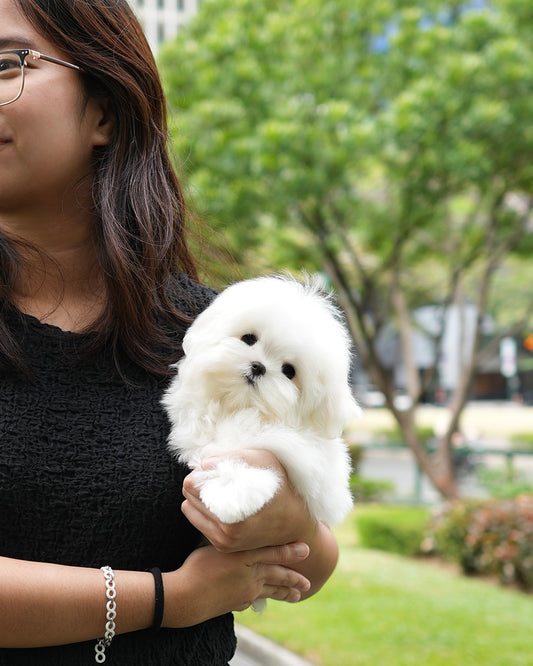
(437, 466)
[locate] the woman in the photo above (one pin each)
(92, 311)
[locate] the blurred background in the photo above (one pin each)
(387, 146)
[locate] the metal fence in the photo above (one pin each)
(467, 461)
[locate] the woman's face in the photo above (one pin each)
(47, 136)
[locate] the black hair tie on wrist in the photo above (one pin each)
(159, 607)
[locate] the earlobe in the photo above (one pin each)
(104, 121)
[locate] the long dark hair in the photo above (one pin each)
(138, 201)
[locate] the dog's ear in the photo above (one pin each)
(335, 409)
(203, 330)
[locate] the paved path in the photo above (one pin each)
(255, 650)
(241, 659)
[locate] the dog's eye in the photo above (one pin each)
(250, 339)
(288, 370)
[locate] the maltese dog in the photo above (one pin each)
(266, 367)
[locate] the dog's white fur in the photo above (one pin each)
(216, 403)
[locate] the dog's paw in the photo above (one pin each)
(233, 491)
(259, 605)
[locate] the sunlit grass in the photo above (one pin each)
(381, 609)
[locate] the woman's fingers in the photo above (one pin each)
(282, 584)
(272, 567)
(288, 594)
(290, 553)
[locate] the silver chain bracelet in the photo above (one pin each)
(111, 607)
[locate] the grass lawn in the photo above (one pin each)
(384, 610)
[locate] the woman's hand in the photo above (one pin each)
(211, 583)
(284, 520)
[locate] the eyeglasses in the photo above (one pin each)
(12, 66)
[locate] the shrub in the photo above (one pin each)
(504, 482)
(365, 490)
(493, 537)
(369, 490)
(523, 441)
(396, 529)
(356, 452)
(395, 436)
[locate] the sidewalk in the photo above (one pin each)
(255, 650)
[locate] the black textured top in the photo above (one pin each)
(86, 480)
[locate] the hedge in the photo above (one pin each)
(396, 529)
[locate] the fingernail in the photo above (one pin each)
(301, 550)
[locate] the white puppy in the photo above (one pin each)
(266, 367)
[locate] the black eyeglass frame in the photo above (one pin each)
(36, 55)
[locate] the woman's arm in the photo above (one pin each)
(47, 604)
(285, 519)
(322, 560)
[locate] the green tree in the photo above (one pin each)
(387, 144)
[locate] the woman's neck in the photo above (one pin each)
(60, 279)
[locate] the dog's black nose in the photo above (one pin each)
(258, 369)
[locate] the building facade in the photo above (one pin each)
(161, 19)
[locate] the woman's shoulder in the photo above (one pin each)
(188, 296)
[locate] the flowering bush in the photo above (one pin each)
(493, 537)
